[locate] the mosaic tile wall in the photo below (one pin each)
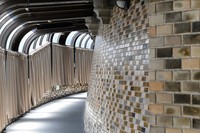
(175, 66)
(118, 90)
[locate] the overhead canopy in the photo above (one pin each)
(26, 24)
(75, 39)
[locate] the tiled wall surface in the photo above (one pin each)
(118, 90)
(174, 66)
(147, 59)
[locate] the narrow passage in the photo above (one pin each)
(59, 116)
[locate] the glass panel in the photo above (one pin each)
(38, 42)
(31, 47)
(56, 37)
(71, 37)
(79, 40)
(22, 43)
(45, 39)
(5, 25)
(89, 44)
(85, 40)
(11, 35)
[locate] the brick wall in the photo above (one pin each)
(174, 66)
(118, 90)
(147, 59)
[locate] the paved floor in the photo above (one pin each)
(60, 116)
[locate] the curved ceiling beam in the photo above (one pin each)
(63, 38)
(45, 39)
(11, 4)
(19, 34)
(87, 41)
(30, 9)
(56, 37)
(23, 17)
(39, 41)
(24, 39)
(31, 42)
(31, 48)
(80, 39)
(46, 9)
(47, 16)
(89, 44)
(16, 35)
(84, 41)
(40, 32)
(72, 38)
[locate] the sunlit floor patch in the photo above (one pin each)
(27, 125)
(82, 95)
(60, 116)
(35, 115)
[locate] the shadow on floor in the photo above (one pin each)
(59, 116)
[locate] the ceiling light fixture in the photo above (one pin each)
(123, 4)
(27, 9)
(49, 21)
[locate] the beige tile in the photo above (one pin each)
(173, 130)
(191, 15)
(156, 20)
(195, 3)
(156, 108)
(156, 64)
(190, 64)
(164, 120)
(152, 31)
(165, 29)
(181, 5)
(195, 51)
(172, 110)
(164, 75)
(156, 86)
(163, 98)
(190, 131)
(156, 41)
(181, 52)
(173, 40)
(182, 122)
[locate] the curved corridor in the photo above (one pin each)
(59, 116)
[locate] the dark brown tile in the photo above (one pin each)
(173, 17)
(193, 111)
(196, 27)
(181, 75)
(164, 52)
(182, 28)
(173, 86)
(182, 98)
(196, 76)
(196, 99)
(191, 39)
(196, 123)
(164, 6)
(190, 86)
(173, 63)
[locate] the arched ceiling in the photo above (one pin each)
(74, 39)
(41, 17)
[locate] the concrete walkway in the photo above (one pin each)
(60, 116)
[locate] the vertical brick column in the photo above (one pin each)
(118, 90)
(174, 66)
